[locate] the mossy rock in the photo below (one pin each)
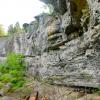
(1, 85)
(77, 6)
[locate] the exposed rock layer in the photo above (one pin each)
(65, 49)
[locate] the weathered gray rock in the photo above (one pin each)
(94, 6)
(3, 48)
(5, 98)
(77, 59)
(64, 50)
(60, 51)
(3, 44)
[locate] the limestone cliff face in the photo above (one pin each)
(65, 49)
(68, 44)
(3, 49)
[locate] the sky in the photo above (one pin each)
(22, 11)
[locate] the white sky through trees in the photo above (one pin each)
(22, 11)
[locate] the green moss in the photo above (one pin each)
(1, 85)
(77, 6)
(86, 76)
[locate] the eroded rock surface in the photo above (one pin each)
(65, 49)
(70, 51)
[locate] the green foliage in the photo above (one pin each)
(11, 29)
(26, 27)
(35, 24)
(86, 76)
(1, 85)
(32, 26)
(97, 90)
(2, 32)
(13, 71)
(15, 29)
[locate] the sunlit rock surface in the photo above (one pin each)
(65, 49)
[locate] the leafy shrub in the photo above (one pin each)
(13, 70)
(1, 85)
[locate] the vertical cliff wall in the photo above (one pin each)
(65, 49)
(68, 43)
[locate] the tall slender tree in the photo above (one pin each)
(15, 29)
(26, 27)
(10, 29)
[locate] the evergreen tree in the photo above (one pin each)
(26, 27)
(11, 29)
(17, 28)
